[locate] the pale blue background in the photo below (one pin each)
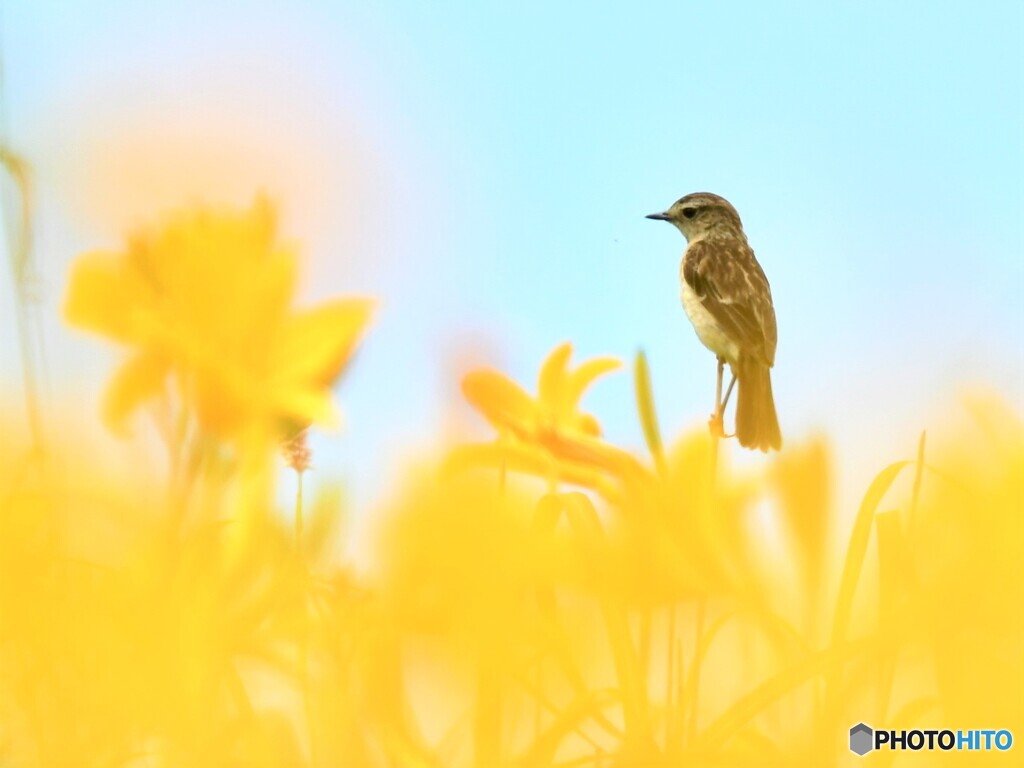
(505, 156)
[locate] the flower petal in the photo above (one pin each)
(531, 460)
(585, 375)
(317, 343)
(106, 296)
(139, 379)
(551, 385)
(309, 406)
(501, 401)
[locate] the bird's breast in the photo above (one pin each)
(708, 330)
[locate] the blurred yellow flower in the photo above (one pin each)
(549, 426)
(205, 301)
(556, 408)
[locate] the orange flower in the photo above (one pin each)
(205, 302)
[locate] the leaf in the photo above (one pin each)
(891, 555)
(648, 417)
(858, 547)
(918, 476)
(586, 524)
(851, 571)
(772, 690)
(21, 246)
(690, 689)
(585, 707)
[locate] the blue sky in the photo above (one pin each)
(485, 170)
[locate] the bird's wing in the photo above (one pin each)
(732, 287)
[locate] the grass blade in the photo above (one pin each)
(855, 553)
(645, 405)
(858, 547)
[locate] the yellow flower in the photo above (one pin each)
(205, 302)
(556, 408)
(549, 426)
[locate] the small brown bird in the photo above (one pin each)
(727, 298)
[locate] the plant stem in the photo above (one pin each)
(298, 514)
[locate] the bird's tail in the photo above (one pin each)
(757, 425)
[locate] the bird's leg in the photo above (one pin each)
(715, 423)
(728, 392)
(725, 402)
(718, 384)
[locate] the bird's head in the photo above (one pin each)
(700, 214)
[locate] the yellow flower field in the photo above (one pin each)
(541, 597)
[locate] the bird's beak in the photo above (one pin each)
(660, 217)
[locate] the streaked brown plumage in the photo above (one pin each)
(727, 298)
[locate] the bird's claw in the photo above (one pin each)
(716, 425)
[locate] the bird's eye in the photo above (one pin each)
(689, 212)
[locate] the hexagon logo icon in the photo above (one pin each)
(862, 739)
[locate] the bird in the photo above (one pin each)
(726, 296)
